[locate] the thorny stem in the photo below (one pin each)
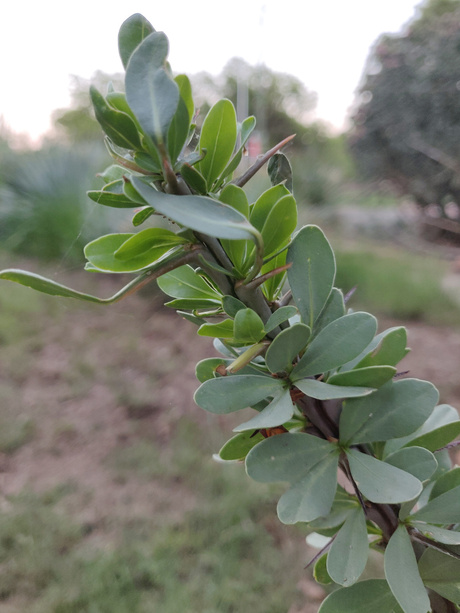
(240, 181)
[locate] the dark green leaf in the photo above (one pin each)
(275, 216)
(142, 215)
(441, 573)
(286, 346)
(178, 131)
(446, 482)
(274, 285)
(194, 179)
(373, 595)
(381, 482)
(218, 137)
(312, 273)
(193, 304)
(247, 127)
(320, 573)
(280, 171)
(347, 556)
(390, 350)
(396, 409)
(402, 574)
(150, 91)
(118, 126)
(336, 344)
(115, 200)
(131, 34)
(232, 305)
(228, 394)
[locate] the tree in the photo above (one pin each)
(280, 101)
(407, 125)
(322, 383)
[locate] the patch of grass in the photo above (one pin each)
(397, 284)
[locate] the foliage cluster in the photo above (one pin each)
(322, 382)
(407, 125)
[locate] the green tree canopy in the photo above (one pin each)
(407, 123)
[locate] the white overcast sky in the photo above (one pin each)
(323, 42)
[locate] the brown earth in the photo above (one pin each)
(98, 377)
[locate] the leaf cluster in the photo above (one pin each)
(328, 402)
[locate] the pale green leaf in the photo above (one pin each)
(337, 343)
(417, 461)
(286, 346)
(396, 409)
(278, 412)
(312, 273)
(325, 391)
(370, 376)
(280, 316)
(132, 33)
(381, 482)
(184, 282)
(402, 573)
(348, 554)
(228, 394)
(444, 509)
(248, 327)
(371, 596)
(441, 573)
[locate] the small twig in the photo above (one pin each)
(259, 280)
(240, 181)
(320, 552)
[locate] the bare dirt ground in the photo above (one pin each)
(98, 377)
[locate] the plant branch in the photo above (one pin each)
(240, 181)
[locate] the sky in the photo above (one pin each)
(324, 43)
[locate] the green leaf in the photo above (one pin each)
(198, 213)
(142, 215)
(441, 573)
(417, 461)
(396, 409)
(112, 173)
(206, 369)
(185, 90)
(148, 242)
(248, 327)
(312, 273)
(278, 412)
(218, 138)
(390, 350)
(440, 535)
(46, 286)
(402, 574)
(178, 131)
(325, 391)
(441, 427)
(131, 34)
(348, 554)
(444, 509)
(381, 482)
(280, 316)
(194, 179)
(232, 305)
(336, 344)
(370, 376)
(118, 126)
(184, 282)
(237, 251)
(193, 304)
(222, 329)
(238, 447)
(280, 171)
(275, 216)
(363, 597)
(274, 284)
(115, 200)
(247, 127)
(446, 482)
(371, 356)
(343, 505)
(101, 254)
(320, 573)
(151, 93)
(308, 463)
(228, 394)
(333, 309)
(286, 346)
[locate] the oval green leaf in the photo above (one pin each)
(218, 138)
(348, 554)
(286, 346)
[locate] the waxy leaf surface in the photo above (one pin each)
(348, 554)
(363, 597)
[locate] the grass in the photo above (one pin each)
(395, 283)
